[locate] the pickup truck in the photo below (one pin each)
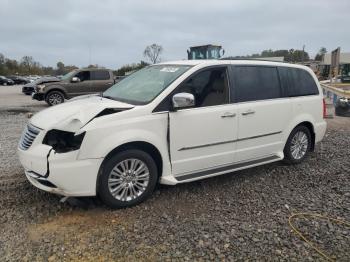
(75, 83)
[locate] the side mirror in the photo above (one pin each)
(75, 79)
(183, 100)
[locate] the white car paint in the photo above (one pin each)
(76, 173)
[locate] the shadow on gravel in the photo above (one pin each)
(199, 187)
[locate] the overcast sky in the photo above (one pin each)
(117, 31)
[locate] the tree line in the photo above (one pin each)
(291, 55)
(28, 66)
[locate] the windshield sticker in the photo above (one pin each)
(169, 69)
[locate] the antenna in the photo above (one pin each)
(89, 54)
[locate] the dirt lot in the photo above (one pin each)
(239, 216)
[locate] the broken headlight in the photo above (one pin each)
(63, 141)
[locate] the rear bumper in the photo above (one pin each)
(61, 174)
(320, 130)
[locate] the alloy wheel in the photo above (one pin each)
(128, 179)
(55, 99)
(299, 145)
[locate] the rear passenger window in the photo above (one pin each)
(252, 83)
(297, 82)
(100, 75)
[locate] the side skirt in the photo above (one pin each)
(226, 169)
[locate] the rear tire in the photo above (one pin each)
(298, 145)
(127, 179)
(54, 98)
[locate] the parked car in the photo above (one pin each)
(5, 81)
(75, 83)
(29, 88)
(173, 123)
(18, 80)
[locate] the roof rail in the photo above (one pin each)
(252, 59)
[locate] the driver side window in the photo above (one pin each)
(83, 76)
(209, 87)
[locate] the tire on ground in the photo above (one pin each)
(103, 190)
(54, 97)
(288, 156)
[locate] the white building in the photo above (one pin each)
(344, 58)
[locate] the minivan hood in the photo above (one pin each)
(72, 115)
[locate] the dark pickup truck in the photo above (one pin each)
(75, 83)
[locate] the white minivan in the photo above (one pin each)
(172, 123)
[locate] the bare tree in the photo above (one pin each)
(152, 52)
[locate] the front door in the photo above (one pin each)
(82, 87)
(202, 137)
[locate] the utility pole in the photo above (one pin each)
(89, 54)
(302, 55)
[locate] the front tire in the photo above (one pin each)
(127, 179)
(54, 98)
(298, 145)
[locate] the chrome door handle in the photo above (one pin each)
(228, 114)
(248, 112)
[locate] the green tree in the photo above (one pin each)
(2, 64)
(60, 68)
(130, 68)
(12, 67)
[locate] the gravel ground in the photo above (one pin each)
(239, 216)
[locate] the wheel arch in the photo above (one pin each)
(56, 88)
(147, 147)
(311, 128)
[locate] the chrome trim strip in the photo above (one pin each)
(253, 137)
(226, 168)
(229, 141)
(206, 145)
(29, 134)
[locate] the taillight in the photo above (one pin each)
(324, 108)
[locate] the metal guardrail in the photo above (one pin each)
(340, 99)
(334, 93)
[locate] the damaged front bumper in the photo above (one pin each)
(38, 96)
(60, 173)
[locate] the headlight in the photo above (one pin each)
(63, 141)
(40, 87)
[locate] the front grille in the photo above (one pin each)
(29, 134)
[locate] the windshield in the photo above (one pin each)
(143, 86)
(69, 75)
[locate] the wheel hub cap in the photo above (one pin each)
(55, 99)
(128, 179)
(299, 145)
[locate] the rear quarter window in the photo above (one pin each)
(297, 82)
(100, 75)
